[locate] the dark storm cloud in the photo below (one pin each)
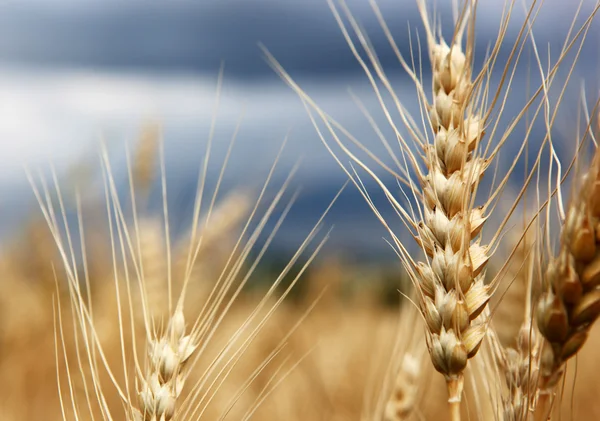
(51, 106)
(198, 36)
(181, 36)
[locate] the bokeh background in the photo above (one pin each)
(75, 72)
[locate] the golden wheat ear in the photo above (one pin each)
(519, 340)
(402, 392)
(123, 358)
(441, 160)
(571, 301)
(149, 360)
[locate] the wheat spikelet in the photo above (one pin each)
(160, 388)
(571, 302)
(521, 370)
(519, 341)
(403, 387)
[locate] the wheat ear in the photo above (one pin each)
(159, 389)
(521, 371)
(402, 403)
(521, 345)
(571, 302)
(453, 293)
(404, 382)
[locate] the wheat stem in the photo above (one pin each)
(455, 390)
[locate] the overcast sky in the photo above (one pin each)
(74, 71)
(196, 36)
(71, 69)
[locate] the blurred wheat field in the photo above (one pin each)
(108, 314)
(333, 345)
(348, 341)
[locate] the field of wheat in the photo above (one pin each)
(487, 313)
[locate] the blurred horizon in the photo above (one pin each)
(72, 73)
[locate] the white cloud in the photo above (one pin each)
(59, 117)
(54, 116)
